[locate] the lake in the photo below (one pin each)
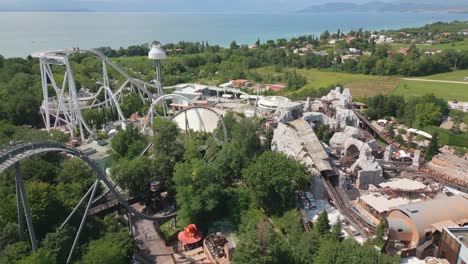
(24, 33)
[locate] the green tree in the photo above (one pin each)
(259, 243)
(245, 134)
(15, 252)
(46, 210)
(379, 234)
(59, 243)
(228, 163)
(134, 175)
(128, 143)
(233, 45)
(167, 147)
(42, 256)
(433, 148)
(8, 233)
(322, 226)
(274, 179)
(198, 194)
(131, 104)
(336, 230)
(116, 248)
(427, 114)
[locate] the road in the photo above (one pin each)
(438, 81)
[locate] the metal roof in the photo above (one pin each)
(424, 214)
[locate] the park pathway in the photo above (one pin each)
(152, 247)
(428, 80)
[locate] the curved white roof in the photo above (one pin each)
(199, 119)
(272, 102)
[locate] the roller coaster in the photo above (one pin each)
(11, 157)
(64, 109)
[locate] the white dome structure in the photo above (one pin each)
(272, 102)
(198, 119)
(156, 53)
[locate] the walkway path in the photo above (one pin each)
(151, 246)
(428, 80)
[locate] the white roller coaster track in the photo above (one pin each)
(65, 107)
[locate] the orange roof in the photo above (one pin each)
(190, 235)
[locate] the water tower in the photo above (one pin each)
(157, 53)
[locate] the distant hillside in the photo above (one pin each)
(451, 6)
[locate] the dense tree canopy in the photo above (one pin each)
(198, 194)
(134, 175)
(274, 180)
(128, 143)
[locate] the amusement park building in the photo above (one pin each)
(415, 224)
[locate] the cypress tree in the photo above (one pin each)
(322, 226)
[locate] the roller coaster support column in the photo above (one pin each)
(77, 206)
(83, 220)
(27, 211)
(19, 206)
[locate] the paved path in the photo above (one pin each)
(151, 246)
(428, 80)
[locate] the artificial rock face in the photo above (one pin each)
(346, 117)
(286, 140)
(339, 138)
(289, 111)
(368, 170)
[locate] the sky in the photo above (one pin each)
(165, 5)
(227, 6)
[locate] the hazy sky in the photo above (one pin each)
(167, 5)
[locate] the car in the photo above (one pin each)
(454, 101)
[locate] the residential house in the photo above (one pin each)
(403, 51)
(276, 87)
(349, 39)
(354, 50)
(445, 34)
(349, 57)
(432, 51)
(241, 83)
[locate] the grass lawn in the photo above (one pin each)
(359, 84)
(168, 230)
(459, 45)
(447, 91)
(449, 76)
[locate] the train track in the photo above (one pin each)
(354, 218)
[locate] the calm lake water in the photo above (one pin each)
(24, 33)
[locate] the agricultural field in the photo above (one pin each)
(360, 85)
(447, 91)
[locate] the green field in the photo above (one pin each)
(447, 91)
(449, 76)
(360, 85)
(459, 45)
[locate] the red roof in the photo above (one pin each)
(190, 235)
(276, 87)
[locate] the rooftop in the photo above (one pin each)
(95, 151)
(382, 204)
(403, 184)
(460, 234)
